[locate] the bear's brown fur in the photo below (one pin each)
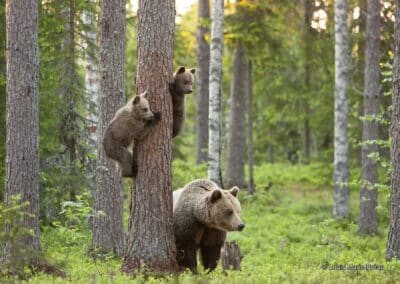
(181, 86)
(202, 216)
(131, 122)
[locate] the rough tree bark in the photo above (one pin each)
(250, 144)
(214, 115)
(237, 120)
(202, 82)
(368, 222)
(108, 230)
(22, 138)
(341, 153)
(393, 243)
(150, 240)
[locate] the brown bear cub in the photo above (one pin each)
(131, 122)
(203, 214)
(181, 86)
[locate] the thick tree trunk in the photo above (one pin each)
(250, 144)
(341, 152)
(108, 230)
(368, 222)
(237, 120)
(393, 243)
(202, 82)
(150, 240)
(214, 116)
(22, 138)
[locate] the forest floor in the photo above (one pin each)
(290, 237)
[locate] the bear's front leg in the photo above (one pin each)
(189, 259)
(210, 256)
(149, 124)
(210, 247)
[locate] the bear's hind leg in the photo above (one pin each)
(125, 161)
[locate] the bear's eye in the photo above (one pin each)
(145, 109)
(229, 212)
(186, 82)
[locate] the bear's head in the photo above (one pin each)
(141, 107)
(183, 80)
(224, 210)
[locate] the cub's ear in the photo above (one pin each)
(215, 195)
(193, 70)
(181, 69)
(136, 100)
(234, 191)
(145, 94)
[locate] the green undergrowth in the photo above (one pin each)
(290, 237)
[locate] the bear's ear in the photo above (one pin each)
(145, 94)
(234, 191)
(215, 195)
(181, 69)
(136, 100)
(193, 70)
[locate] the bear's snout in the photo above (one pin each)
(241, 227)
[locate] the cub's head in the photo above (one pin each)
(183, 80)
(141, 108)
(224, 210)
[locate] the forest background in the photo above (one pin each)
(288, 48)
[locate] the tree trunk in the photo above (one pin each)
(307, 34)
(150, 240)
(91, 77)
(231, 257)
(202, 82)
(341, 153)
(214, 116)
(250, 144)
(68, 92)
(22, 138)
(108, 230)
(368, 222)
(393, 243)
(270, 154)
(237, 120)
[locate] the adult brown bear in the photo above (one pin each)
(203, 214)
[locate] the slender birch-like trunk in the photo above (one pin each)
(341, 153)
(214, 115)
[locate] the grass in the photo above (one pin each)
(289, 237)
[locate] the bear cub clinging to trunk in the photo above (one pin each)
(181, 86)
(131, 122)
